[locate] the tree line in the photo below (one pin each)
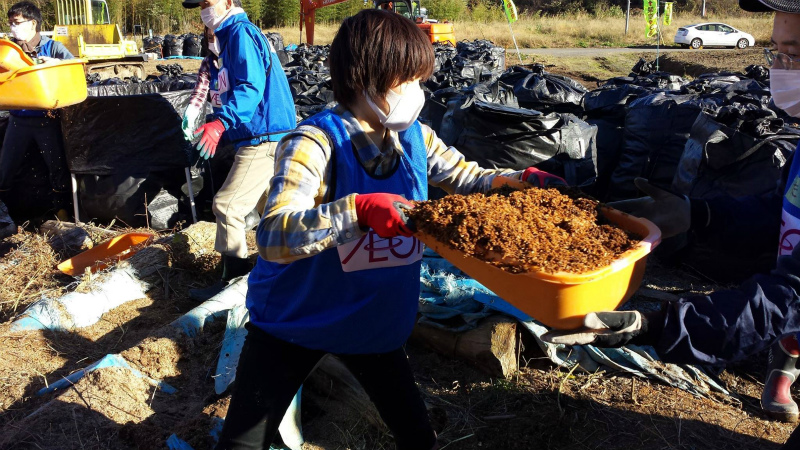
(168, 16)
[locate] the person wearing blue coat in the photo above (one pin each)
(42, 128)
(255, 111)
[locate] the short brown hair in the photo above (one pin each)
(376, 50)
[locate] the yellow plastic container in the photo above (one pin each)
(109, 252)
(561, 300)
(44, 86)
(12, 57)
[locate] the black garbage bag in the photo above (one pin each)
(757, 72)
(643, 68)
(192, 44)
(136, 198)
(173, 45)
(153, 44)
(436, 103)
(542, 91)
(499, 136)
(610, 101)
(309, 57)
(479, 59)
(657, 127)
(137, 131)
(739, 151)
(277, 43)
(710, 83)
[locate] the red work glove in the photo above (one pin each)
(383, 213)
(212, 132)
(541, 179)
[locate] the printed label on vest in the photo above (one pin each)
(374, 252)
(214, 99)
(790, 233)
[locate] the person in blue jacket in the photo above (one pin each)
(42, 128)
(338, 270)
(255, 111)
(727, 326)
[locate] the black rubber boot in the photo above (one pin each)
(776, 400)
(232, 267)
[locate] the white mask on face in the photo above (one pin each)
(24, 32)
(403, 108)
(210, 17)
(785, 87)
(214, 47)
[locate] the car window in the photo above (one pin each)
(725, 29)
(713, 27)
(701, 28)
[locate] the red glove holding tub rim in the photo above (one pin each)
(541, 179)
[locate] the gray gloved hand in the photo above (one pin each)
(671, 213)
(604, 329)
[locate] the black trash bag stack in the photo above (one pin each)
(738, 151)
(173, 45)
(124, 144)
(153, 44)
(192, 45)
(710, 83)
(605, 108)
(277, 43)
(643, 68)
(308, 57)
(309, 79)
(500, 136)
(479, 59)
(657, 127)
(537, 89)
(757, 72)
(469, 63)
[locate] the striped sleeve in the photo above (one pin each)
(297, 223)
(198, 97)
(449, 170)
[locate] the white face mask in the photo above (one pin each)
(213, 47)
(785, 87)
(24, 32)
(404, 108)
(210, 17)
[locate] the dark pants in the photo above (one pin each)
(22, 132)
(271, 370)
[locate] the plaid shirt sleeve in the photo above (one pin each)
(298, 222)
(198, 97)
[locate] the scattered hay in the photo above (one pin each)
(29, 270)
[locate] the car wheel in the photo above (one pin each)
(742, 43)
(696, 43)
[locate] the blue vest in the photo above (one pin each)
(313, 302)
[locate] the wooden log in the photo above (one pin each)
(332, 379)
(66, 237)
(491, 347)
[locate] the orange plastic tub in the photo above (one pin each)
(109, 252)
(44, 86)
(12, 57)
(561, 300)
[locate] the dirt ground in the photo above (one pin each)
(541, 406)
(592, 71)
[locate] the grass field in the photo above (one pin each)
(576, 30)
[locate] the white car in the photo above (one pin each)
(712, 34)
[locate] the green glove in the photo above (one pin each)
(190, 116)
